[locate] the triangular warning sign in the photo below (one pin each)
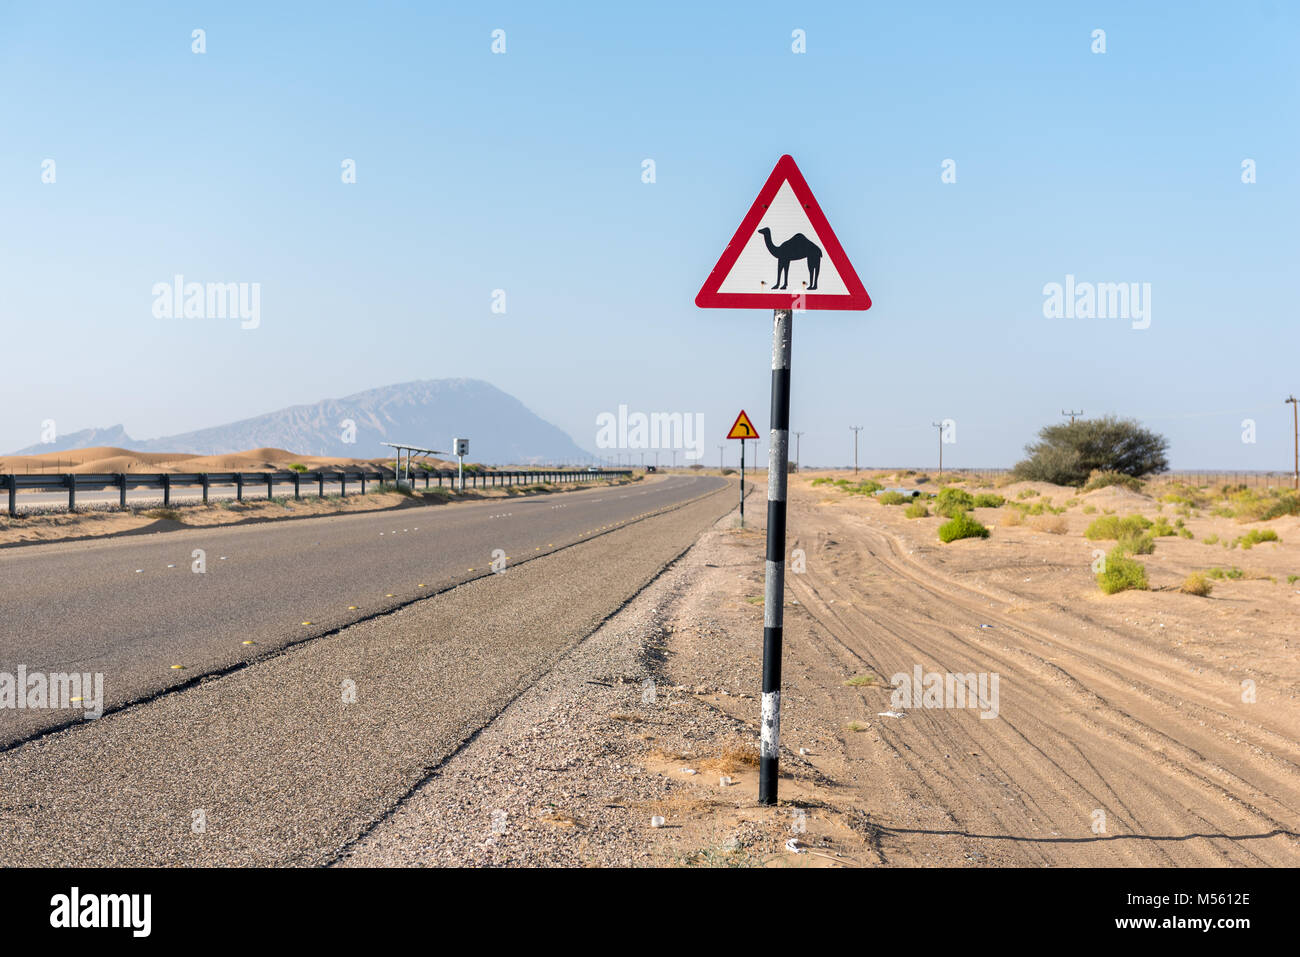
(742, 428)
(784, 255)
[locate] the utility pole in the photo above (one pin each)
(674, 458)
(856, 429)
(797, 460)
(1072, 414)
(1295, 421)
(939, 426)
(721, 464)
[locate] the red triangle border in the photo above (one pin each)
(785, 171)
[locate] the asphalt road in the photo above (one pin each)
(292, 759)
(132, 608)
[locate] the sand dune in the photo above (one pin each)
(108, 459)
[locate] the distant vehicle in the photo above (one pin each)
(651, 468)
(593, 468)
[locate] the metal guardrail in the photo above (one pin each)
(123, 481)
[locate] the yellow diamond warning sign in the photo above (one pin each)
(742, 428)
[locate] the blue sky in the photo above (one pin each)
(522, 172)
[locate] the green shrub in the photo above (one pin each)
(1090, 510)
(821, 481)
(1256, 536)
(1162, 528)
(1112, 527)
(989, 500)
(1026, 493)
(1103, 479)
(1120, 573)
(1137, 543)
(1221, 573)
(1196, 584)
(961, 525)
(1211, 540)
(950, 501)
(893, 498)
(917, 510)
(865, 487)
(298, 467)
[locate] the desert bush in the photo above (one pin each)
(865, 487)
(950, 501)
(1232, 573)
(1162, 528)
(1052, 524)
(1104, 479)
(1010, 517)
(893, 498)
(1090, 510)
(297, 467)
(1257, 536)
(961, 525)
(1027, 493)
(1113, 527)
(989, 500)
(1196, 584)
(1137, 543)
(917, 510)
(1068, 453)
(1120, 573)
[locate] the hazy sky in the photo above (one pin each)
(522, 172)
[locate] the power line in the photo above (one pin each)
(1072, 414)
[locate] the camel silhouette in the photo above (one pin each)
(797, 246)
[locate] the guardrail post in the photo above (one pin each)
(13, 496)
(363, 483)
(120, 481)
(270, 478)
(206, 483)
(320, 484)
(343, 485)
(167, 489)
(71, 481)
(239, 486)
(297, 485)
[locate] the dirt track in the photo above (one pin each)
(1098, 712)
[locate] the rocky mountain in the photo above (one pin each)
(428, 412)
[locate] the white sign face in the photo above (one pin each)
(785, 247)
(784, 255)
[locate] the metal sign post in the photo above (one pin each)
(742, 429)
(784, 228)
(774, 586)
(462, 449)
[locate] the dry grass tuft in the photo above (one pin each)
(737, 756)
(1052, 524)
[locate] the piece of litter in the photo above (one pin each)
(793, 847)
(656, 821)
(890, 714)
(724, 781)
(689, 771)
(804, 751)
(986, 626)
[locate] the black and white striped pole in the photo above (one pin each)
(774, 589)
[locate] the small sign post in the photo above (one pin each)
(462, 449)
(742, 429)
(784, 226)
